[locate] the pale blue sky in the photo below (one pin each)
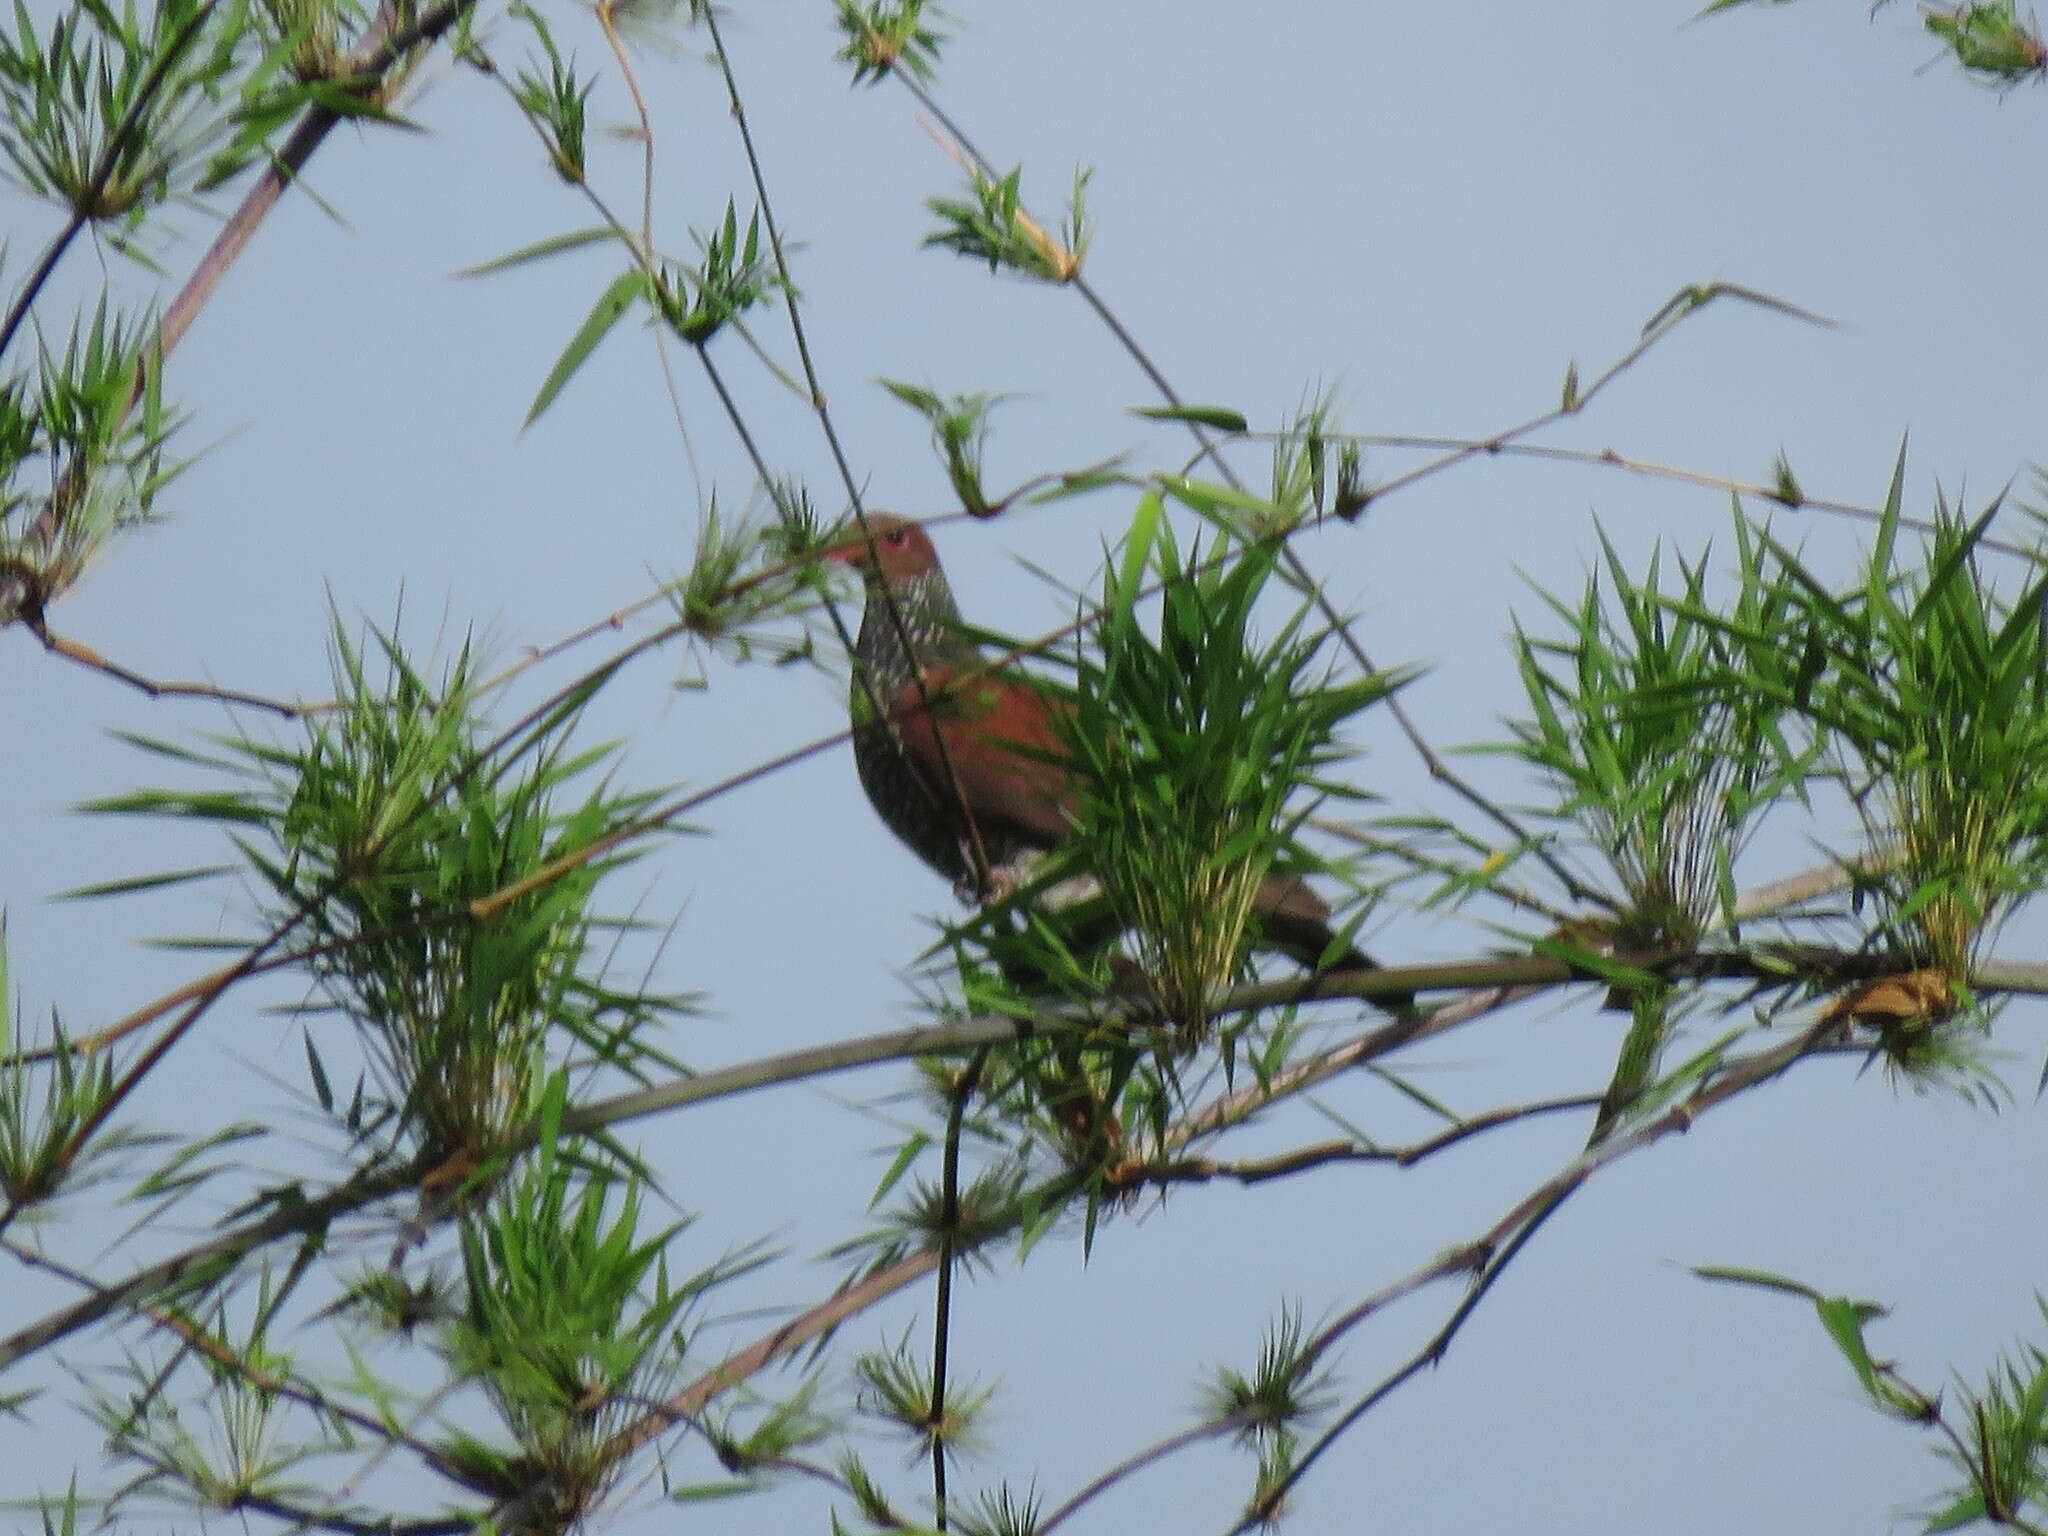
(1433, 209)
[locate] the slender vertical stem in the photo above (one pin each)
(942, 1305)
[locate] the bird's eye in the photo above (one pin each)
(898, 537)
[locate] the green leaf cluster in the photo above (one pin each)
(556, 100)
(992, 225)
(1201, 747)
(82, 456)
(1671, 720)
(734, 273)
(568, 1322)
(895, 1387)
(1932, 687)
(431, 880)
(887, 35)
(115, 110)
(51, 1098)
(1989, 38)
(1656, 743)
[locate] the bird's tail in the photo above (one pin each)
(1296, 921)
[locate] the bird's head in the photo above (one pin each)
(892, 549)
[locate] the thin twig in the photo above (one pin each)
(818, 400)
(942, 1302)
(1204, 1170)
(605, 13)
(977, 852)
(1488, 1256)
(286, 1220)
(1514, 896)
(204, 1343)
(1461, 447)
(86, 656)
(1133, 1464)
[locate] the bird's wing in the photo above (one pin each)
(996, 739)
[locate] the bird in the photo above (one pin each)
(968, 765)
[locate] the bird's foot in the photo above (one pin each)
(998, 882)
(972, 890)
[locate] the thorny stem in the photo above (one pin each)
(1271, 1497)
(287, 1220)
(299, 1519)
(373, 1185)
(902, 1273)
(1485, 1257)
(1661, 325)
(1491, 1253)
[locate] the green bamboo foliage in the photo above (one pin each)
(1658, 754)
(885, 35)
(556, 100)
(1930, 678)
(373, 840)
(1202, 747)
(113, 110)
(312, 35)
(234, 1443)
(49, 1101)
(569, 1323)
(751, 586)
(83, 456)
(429, 884)
(895, 1390)
(1671, 721)
(991, 224)
(1286, 1392)
(1993, 1438)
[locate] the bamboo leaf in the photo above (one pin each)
(540, 250)
(612, 303)
(1222, 418)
